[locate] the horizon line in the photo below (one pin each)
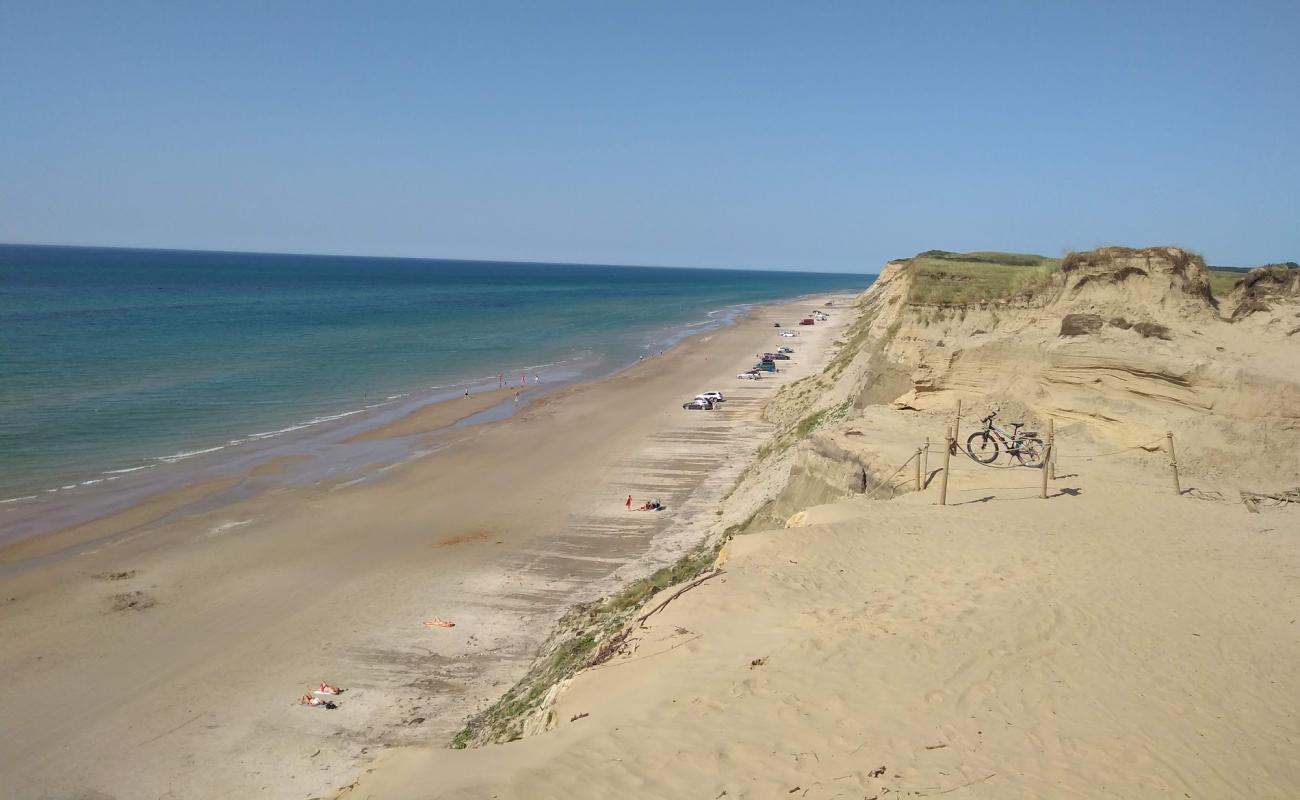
(423, 258)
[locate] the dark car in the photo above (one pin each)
(775, 357)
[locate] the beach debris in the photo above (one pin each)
(877, 772)
(969, 783)
(577, 717)
(439, 622)
(1254, 500)
(131, 601)
(679, 593)
(115, 576)
(935, 746)
(758, 662)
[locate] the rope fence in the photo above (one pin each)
(887, 481)
(1046, 461)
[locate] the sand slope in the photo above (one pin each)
(1017, 649)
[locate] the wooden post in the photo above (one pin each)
(1049, 458)
(925, 458)
(956, 428)
(1043, 491)
(1173, 461)
(917, 468)
(947, 456)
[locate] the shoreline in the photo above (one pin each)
(500, 529)
(384, 409)
(100, 499)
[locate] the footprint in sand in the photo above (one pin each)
(115, 576)
(131, 601)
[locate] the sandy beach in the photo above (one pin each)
(167, 656)
(1123, 624)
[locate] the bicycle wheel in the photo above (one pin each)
(1030, 451)
(982, 447)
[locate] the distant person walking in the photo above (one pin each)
(629, 503)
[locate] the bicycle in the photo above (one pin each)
(983, 446)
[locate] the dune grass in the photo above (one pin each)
(575, 643)
(940, 278)
(1222, 281)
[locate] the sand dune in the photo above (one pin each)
(1116, 639)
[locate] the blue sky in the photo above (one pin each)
(818, 135)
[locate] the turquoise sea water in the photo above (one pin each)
(113, 360)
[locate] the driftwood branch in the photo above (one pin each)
(968, 783)
(647, 615)
(614, 644)
(1253, 500)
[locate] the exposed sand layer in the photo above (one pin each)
(167, 661)
(1115, 639)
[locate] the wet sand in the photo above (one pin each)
(438, 415)
(224, 618)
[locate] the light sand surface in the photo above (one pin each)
(1023, 648)
(190, 691)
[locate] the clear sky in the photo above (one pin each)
(806, 135)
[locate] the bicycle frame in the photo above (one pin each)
(1009, 441)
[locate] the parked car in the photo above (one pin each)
(698, 404)
(774, 357)
(776, 324)
(784, 349)
(790, 333)
(750, 375)
(715, 396)
(807, 321)
(766, 366)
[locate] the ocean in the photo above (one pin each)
(118, 361)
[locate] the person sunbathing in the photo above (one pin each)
(325, 688)
(310, 699)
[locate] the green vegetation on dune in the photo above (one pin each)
(941, 278)
(1222, 281)
(577, 644)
